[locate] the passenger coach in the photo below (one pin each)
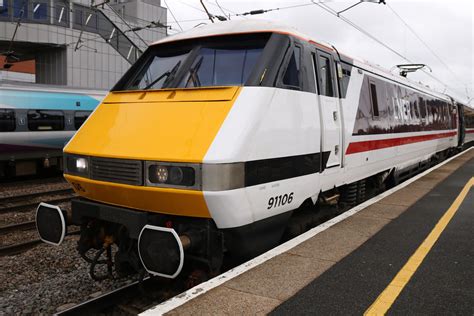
(36, 121)
(223, 141)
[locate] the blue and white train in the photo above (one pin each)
(36, 121)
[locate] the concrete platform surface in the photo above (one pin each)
(343, 269)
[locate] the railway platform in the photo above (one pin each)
(407, 251)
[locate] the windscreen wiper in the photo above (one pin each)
(168, 74)
(193, 74)
(172, 74)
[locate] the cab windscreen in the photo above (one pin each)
(217, 61)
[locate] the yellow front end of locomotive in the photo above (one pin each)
(175, 126)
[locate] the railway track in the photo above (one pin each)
(28, 200)
(17, 248)
(17, 227)
(20, 247)
(110, 300)
(23, 203)
(130, 299)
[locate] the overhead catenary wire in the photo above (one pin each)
(71, 13)
(140, 23)
(207, 11)
(97, 38)
(179, 25)
(222, 9)
(320, 3)
(51, 18)
(261, 11)
(328, 9)
(191, 6)
(424, 43)
(134, 18)
(368, 34)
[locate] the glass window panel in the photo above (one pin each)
(45, 120)
(77, 18)
(422, 103)
(80, 117)
(292, 74)
(4, 8)
(218, 63)
(90, 21)
(158, 72)
(7, 120)
(61, 14)
(221, 67)
(105, 27)
(229, 67)
(325, 77)
(40, 10)
(18, 7)
(375, 104)
(251, 57)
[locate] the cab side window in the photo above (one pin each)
(292, 73)
(325, 77)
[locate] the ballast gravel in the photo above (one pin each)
(32, 186)
(47, 279)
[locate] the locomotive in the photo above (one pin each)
(220, 142)
(36, 121)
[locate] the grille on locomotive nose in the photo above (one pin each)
(117, 170)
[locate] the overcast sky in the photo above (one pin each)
(446, 26)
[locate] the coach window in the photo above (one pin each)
(373, 98)
(292, 73)
(45, 120)
(447, 116)
(422, 104)
(80, 117)
(325, 77)
(7, 121)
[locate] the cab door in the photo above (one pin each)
(331, 125)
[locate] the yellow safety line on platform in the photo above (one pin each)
(385, 300)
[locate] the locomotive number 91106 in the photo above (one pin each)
(280, 200)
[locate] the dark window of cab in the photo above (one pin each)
(227, 60)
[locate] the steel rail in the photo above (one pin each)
(110, 299)
(14, 203)
(18, 248)
(17, 227)
(16, 198)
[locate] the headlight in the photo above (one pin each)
(171, 175)
(81, 164)
(206, 177)
(160, 173)
(77, 165)
(177, 175)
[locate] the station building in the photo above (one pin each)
(77, 43)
